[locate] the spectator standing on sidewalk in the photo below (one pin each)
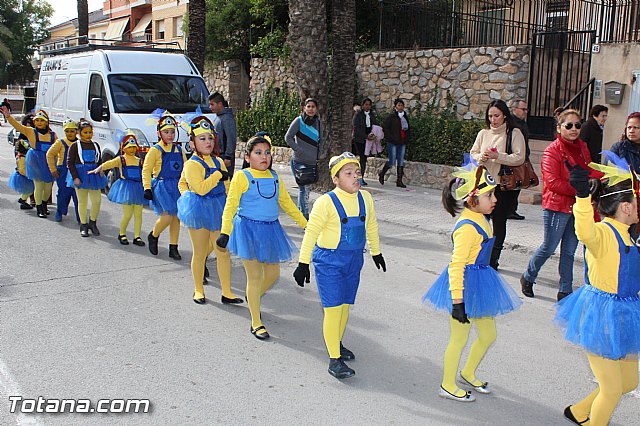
(558, 198)
(363, 122)
(591, 132)
(6, 104)
(225, 129)
(519, 109)
(397, 134)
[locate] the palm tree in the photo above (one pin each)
(196, 36)
(83, 21)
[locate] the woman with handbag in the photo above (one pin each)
(363, 122)
(490, 150)
(304, 137)
(558, 198)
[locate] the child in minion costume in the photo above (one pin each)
(83, 157)
(340, 224)
(160, 175)
(18, 181)
(40, 137)
(251, 212)
(603, 316)
(468, 288)
(127, 190)
(57, 161)
(203, 186)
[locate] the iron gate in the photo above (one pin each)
(560, 64)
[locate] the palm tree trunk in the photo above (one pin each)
(83, 21)
(196, 36)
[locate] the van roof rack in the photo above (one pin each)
(73, 45)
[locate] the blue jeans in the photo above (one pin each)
(557, 227)
(303, 197)
(396, 152)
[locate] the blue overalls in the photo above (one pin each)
(131, 173)
(36, 159)
(165, 185)
(90, 159)
(197, 211)
(219, 189)
(338, 270)
(484, 256)
(260, 201)
(65, 194)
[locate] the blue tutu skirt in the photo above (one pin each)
(264, 241)
(603, 323)
(165, 196)
(20, 184)
(88, 181)
(196, 211)
(128, 192)
(37, 167)
(485, 294)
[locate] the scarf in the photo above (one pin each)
(367, 119)
(575, 151)
(403, 121)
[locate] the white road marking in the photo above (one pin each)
(9, 387)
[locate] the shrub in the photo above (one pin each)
(273, 112)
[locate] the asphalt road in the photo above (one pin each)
(88, 318)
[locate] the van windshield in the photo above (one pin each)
(143, 93)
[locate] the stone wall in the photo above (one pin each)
(230, 79)
(472, 76)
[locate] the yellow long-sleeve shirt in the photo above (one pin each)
(602, 255)
(130, 160)
(153, 163)
(324, 227)
(55, 155)
(467, 243)
(240, 185)
(192, 177)
(29, 132)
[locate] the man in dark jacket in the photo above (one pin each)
(519, 109)
(591, 132)
(226, 130)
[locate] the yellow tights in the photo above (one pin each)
(83, 203)
(174, 229)
(203, 242)
(260, 278)
(24, 197)
(457, 341)
(134, 210)
(333, 326)
(42, 191)
(615, 378)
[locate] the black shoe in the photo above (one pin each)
(561, 295)
(93, 226)
(569, 416)
(123, 240)
(229, 301)
(84, 230)
(527, 287)
(201, 301)
(260, 336)
(40, 211)
(153, 244)
(515, 216)
(45, 209)
(346, 354)
(340, 370)
(206, 271)
(137, 241)
(24, 205)
(173, 252)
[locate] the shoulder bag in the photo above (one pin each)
(517, 177)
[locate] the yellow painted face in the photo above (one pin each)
(131, 150)
(40, 123)
(86, 134)
(71, 133)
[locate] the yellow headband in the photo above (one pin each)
(203, 125)
(162, 119)
(129, 140)
(615, 169)
(338, 162)
(69, 124)
(41, 114)
(477, 179)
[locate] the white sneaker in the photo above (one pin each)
(467, 397)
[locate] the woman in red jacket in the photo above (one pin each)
(558, 197)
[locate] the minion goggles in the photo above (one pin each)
(338, 162)
(69, 124)
(477, 180)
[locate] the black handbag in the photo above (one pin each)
(305, 174)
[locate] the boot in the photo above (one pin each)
(40, 211)
(93, 227)
(173, 252)
(384, 171)
(45, 209)
(24, 205)
(153, 244)
(495, 257)
(399, 182)
(84, 230)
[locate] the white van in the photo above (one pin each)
(117, 88)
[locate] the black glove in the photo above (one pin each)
(459, 314)
(302, 274)
(379, 261)
(222, 241)
(579, 179)
(148, 194)
(225, 175)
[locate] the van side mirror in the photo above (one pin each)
(98, 111)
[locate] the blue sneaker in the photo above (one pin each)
(58, 216)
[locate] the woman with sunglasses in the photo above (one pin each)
(558, 198)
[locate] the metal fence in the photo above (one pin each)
(408, 24)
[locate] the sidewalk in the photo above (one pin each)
(420, 209)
